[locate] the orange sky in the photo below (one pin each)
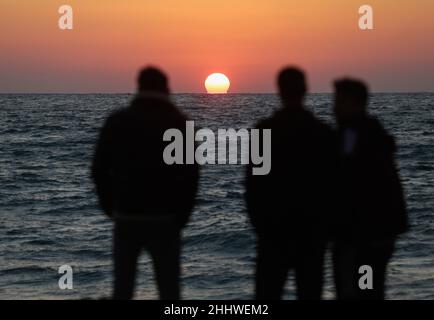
(248, 40)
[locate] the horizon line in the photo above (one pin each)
(203, 93)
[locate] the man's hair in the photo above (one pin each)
(355, 90)
(152, 79)
(292, 83)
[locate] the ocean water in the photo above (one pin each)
(49, 214)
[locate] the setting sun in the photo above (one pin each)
(217, 83)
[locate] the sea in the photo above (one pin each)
(49, 215)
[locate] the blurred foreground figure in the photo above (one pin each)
(290, 207)
(373, 211)
(149, 201)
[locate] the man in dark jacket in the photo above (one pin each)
(289, 208)
(373, 210)
(149, 201)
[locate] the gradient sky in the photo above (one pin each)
(248, 40)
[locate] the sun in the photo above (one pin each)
(217, 83)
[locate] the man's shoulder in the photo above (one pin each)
(322, 126)
(264, 124)
(373, 124)
(377, 134)
(158, 105)
(116, 116)
(272, 121)
(302, 118)
(152, 100)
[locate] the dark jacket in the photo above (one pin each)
(294, 200)
(372, 199)
(128, 169)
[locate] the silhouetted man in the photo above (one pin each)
(372, 201)
(149, 201)
(289, 207)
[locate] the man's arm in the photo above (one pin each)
(188, 180)
(256, 195)
(101, 167)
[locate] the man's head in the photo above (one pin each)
(153, 80)
(351, 99)
(292, 86)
